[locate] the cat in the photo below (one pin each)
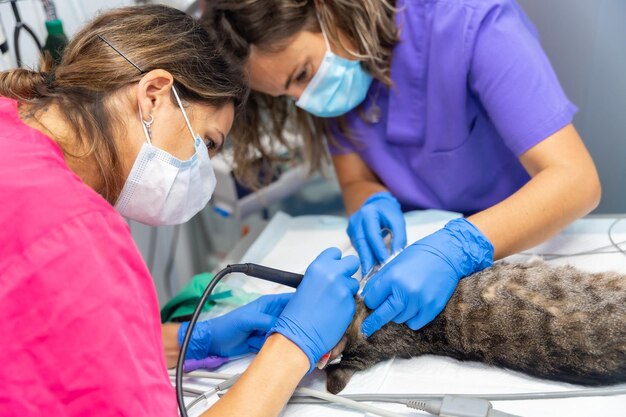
(557, 323)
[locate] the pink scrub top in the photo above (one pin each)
(80, 332)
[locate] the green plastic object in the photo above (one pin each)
(56, 41)
(184, 303)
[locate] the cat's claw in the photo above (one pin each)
(324, 361)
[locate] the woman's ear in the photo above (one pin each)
(153, 91)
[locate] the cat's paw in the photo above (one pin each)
(337, 377)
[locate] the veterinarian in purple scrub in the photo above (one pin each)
(442, 104)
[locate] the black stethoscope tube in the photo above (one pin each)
(257, 271)
(19, 25)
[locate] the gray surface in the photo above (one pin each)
(586, 42)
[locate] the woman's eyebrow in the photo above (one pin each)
(289, 79)
(221, 145)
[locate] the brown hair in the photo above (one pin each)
(268, 24)
(152, 37)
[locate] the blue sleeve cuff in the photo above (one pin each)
(465, 247)
(381, 195)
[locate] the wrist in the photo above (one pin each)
(199, 345)
(476, 244)
(476, 251)
(462, 245)
(380, 195)
(291, 330)
(171, 346)
(292, 356)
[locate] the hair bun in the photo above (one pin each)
(25, 85)
(49, 79)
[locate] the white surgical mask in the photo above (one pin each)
(163, 190)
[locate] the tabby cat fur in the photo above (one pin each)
(557, 323)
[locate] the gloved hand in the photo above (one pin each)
(236, 333)
(380, 210)
(416, 285)
(320, 312)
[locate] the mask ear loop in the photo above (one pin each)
(182, 109)
(321, 23)
(146, 126)
(319, 20)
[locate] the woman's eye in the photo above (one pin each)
(210, 143)
(302, 76)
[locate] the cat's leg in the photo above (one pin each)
(337, 377)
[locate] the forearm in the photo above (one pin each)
(556, 196)
(356, 179)
(264, 389)
(355, 193)
(169, 331)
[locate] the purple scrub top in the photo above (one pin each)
(473, 90)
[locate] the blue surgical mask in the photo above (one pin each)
(339, 85)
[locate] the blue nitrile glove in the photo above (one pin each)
(320, 312)
(236, 333)
(416, 285)
(380, 210)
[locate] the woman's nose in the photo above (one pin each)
(295, 91)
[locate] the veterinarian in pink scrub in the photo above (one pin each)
(141, 100)
(442, 104)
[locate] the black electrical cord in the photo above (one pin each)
(281, 277)
(19, 25)
(289, 279)
(4, 45)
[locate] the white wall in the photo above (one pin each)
(586, 42)
(73, 13)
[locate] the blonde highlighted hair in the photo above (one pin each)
(369, 25)
(152, 37)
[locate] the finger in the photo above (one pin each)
(255, 342)
(259, 322)
(348, 265)
(329, 255)
(375, 238)
(275, 303)
(411, 309)
(387, 311)
(377, 290)
(398, 233)
(353, 286)
(420, 321)
(365, 254)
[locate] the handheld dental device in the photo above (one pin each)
(278, 276)
(387, 238)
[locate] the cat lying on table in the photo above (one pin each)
(556, 323)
